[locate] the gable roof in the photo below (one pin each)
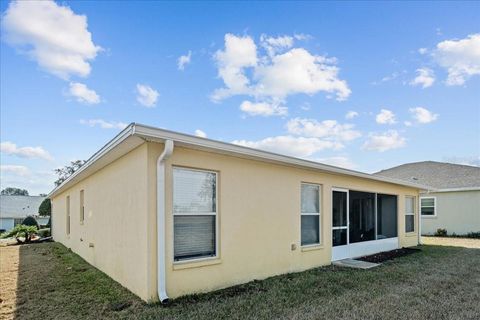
(439, 175)
(136, 134)
(19, 206)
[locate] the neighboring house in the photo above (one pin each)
(455, 204)
(13, 209)
(167, 214)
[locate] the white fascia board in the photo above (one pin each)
(83, 170)
(180, 139)
(456, 189)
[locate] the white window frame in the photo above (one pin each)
(319, 243)
(189, 260)
(82, 206)
(434, 215)
(68, 215)
(410, 214)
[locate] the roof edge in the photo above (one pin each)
(115, 141)
(457, 189)
(153, 133)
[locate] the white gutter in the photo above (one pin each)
(161, 282)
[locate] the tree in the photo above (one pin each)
(67, 171)
(14, 192)
(45, 208)
(42, 194)
(30, 221)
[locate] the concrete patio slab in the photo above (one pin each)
(351, 263)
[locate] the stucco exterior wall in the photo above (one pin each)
(113, 236)
(457, 212)
(259, 220)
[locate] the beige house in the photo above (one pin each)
(455, 203)
(167, 214)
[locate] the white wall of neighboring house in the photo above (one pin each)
(458, 212)
(6, 223)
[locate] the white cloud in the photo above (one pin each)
(327, 129)
(35, 182)
(146, 95)
(272, 77)
(273, 45)
(200, 133)
(52, 35)
(14, 169)
(461, 58)
(338, 161)
(385, 117)
(351, 115)
(184, 60)
(384, 141)
(265, 109)
(408, 123)
(10, 148)
(298, 71)
(294, 146)
(422, 115)
(425, 78)
(104, 124)
(239, 53)
(423, 50)
(83, 94)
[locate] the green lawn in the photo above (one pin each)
(436, 283)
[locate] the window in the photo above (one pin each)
(194, 214)
(409, 214)
(68, 215)
(82, 206)
(427, 206)
(310, 214)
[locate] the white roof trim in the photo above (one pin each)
(160, 135)
(457, 189)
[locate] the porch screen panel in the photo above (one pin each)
(386, 216)
(361, 216)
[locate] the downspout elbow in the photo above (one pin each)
(161, 277)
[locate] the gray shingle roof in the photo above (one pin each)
(19, 206)
(439, 175)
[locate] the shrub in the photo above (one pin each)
(43, 233)
(441, 232)
(30, 221)
(21, 231)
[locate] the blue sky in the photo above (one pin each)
(278, 76)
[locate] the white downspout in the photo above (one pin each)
(161, 281)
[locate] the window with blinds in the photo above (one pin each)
(409, 214)
(310, 214)
(194, 213)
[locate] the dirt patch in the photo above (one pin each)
(453, 242)
(388, 255)
(8, 281)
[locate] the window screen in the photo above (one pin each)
(195, 210)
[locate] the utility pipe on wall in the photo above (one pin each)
(161, 250)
